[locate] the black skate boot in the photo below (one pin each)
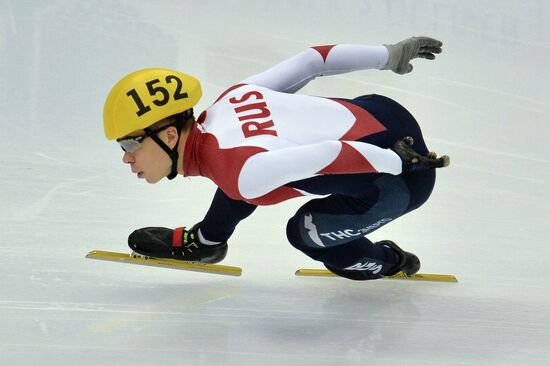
(412, 161)
(353, 275)
(408, 263)
(160, 242)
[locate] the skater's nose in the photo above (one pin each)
(127, 158)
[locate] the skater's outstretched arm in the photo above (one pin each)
(291, 75)
(294, 73)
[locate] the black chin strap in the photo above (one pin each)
(172, 153)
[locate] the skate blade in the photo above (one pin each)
(399, 276)
(164, 263)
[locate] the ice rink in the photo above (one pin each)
(485, 101)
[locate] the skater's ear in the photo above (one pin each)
(171, 134)
(168, 132)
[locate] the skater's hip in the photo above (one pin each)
(399, 122)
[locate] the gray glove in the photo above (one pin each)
(408, 49)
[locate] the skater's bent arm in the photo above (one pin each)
(291, 75)
(266, 171)
(223, 216)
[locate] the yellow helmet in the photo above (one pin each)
(145, 97)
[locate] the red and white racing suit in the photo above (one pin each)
(258, 136)
(261, 144)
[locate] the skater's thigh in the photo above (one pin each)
(398, 121)
(339, 219)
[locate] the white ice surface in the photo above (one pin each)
(64, 191)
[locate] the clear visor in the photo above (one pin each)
(133, 143)
(129, 145)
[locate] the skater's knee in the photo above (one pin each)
(293, 234)
(302, 231)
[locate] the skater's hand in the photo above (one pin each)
(403, 52)
(413, 161)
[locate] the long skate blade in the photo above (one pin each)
(398, 276)
(164, 263)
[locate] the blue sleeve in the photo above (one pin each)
(223, 216)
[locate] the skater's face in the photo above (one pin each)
(146, 158)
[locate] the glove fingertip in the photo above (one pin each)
(432, 42)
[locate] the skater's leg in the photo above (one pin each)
(399, 123)
(363, 259)
(332, 229)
